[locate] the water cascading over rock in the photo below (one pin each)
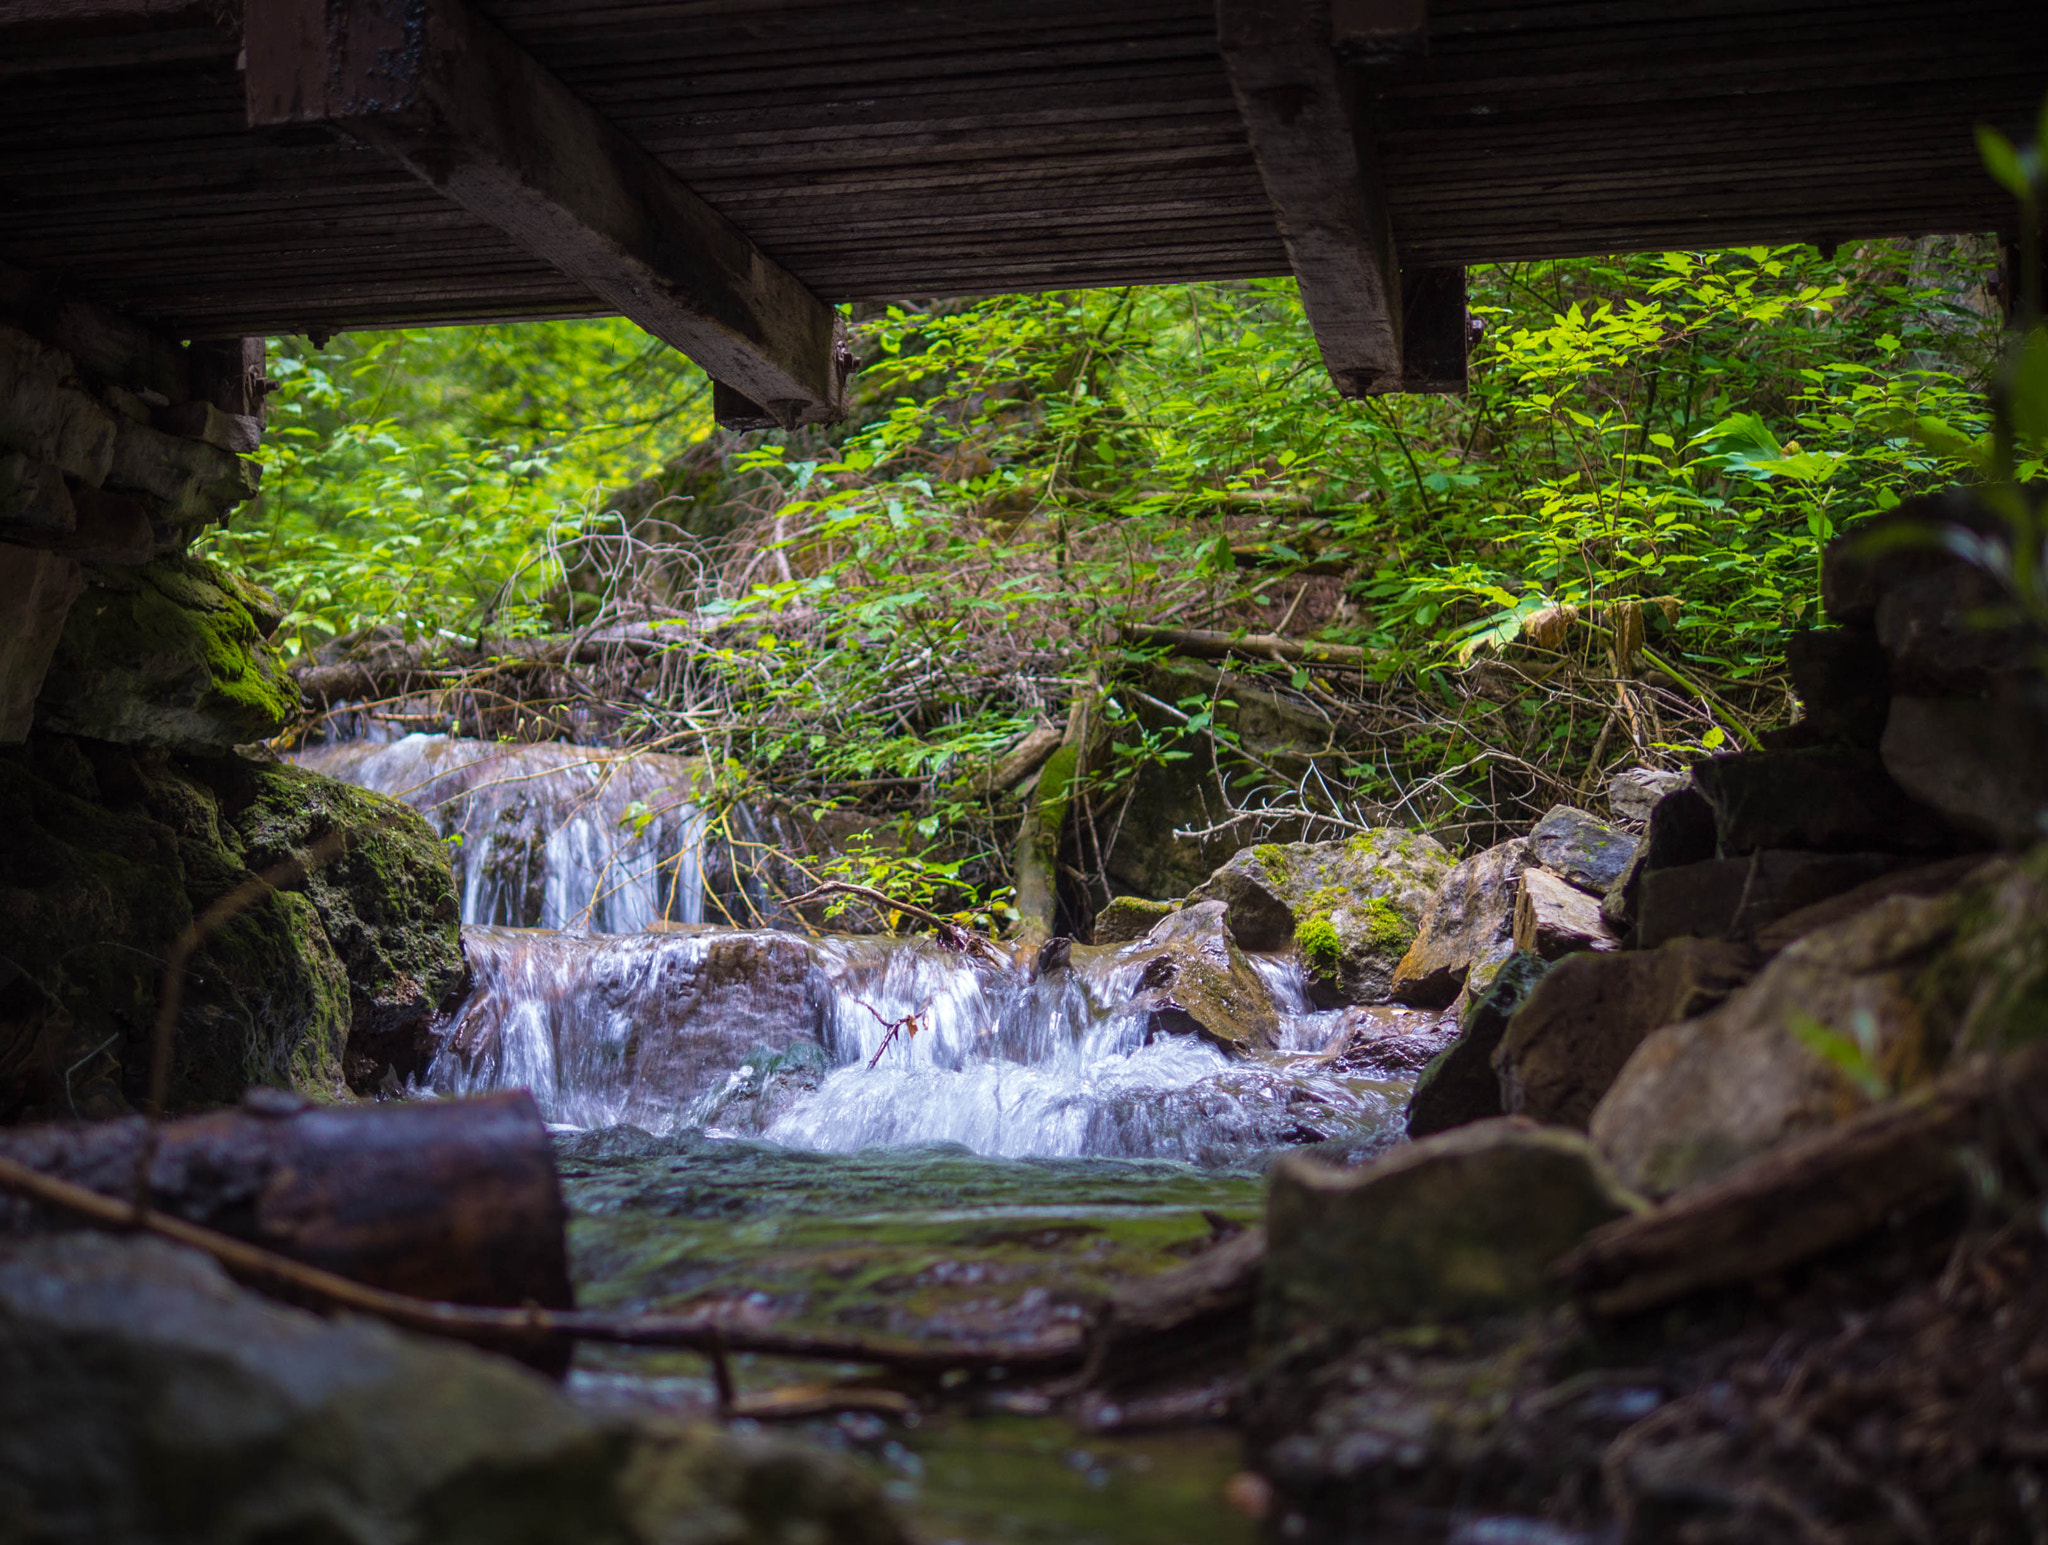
(1175, 1045)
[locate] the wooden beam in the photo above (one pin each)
(445, 93)
(1300, 109)
(1369, 31)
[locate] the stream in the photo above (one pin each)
(861, 1132)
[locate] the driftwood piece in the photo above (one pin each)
(449, 1200)
(1825, 1190)
(1215, 644)
(400, 671)
(539, 1334)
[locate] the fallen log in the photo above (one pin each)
(1822, 1191)
(450, 1200)
(1215, 644)
(537, 1333)
(408, 670)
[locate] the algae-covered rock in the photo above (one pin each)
(148, 1399)
(380, 881)
(1352, 907)
(165, 654)
(1459, 1225)
(1193, 979)
(1469, 922)
(1130, 917)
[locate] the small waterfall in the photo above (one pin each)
(772, 1035)
(547, 835)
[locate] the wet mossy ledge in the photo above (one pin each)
(140, 799)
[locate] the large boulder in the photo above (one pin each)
(1732, 898)
(1981, 761)
(1459, 1084)
(145, 1398)
(336, 960)
(1125, 918)
(1469, 922)
(1829, 799)
(1843, 1016)
(1465, 1224)
(36, 592)
(1583, 1020)
(167, 655)
(1352, 906)
(1190, 977)
(381, 884)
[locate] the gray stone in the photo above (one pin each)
(1459, 1085)
(37, 590)
(1554, 919)
(1844, 683)
(1633, 794)
(1826, 798)
(1471, 918)
(1732, 898)
(147, 1399)
(165, 655)
(1580, 848)
(1351, 906)
(1948, 628)
(35, 503)
(1129, 917)
(1582, 1021)
(45, 415)
(193, 482)
(1458, 1226)
(1983, 763)
(1680, 830)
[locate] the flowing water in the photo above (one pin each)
(867, 1132)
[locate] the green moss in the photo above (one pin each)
(1273, 859)
(1385, 926)
(1319, 942)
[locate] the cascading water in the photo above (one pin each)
(547, 835)
(776, 1035)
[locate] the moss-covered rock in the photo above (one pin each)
(115, 853)
(380, 882)
(1130, 917)
(1192, 978)
(166, 655)
(1352, 907)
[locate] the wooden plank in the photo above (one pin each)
(1300, 111)
(451, 98)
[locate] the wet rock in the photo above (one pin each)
(639, 1028)
(380, 881)
(1844, 683)
(1352, 906)
(1460, 1085)
(1581, 1022)
(1731, 898)
(1129, 917)
(1832, 1023)
(1459, 1225)
(36, 593)
(1554, 919)
(1825, 798)
(1193, 979)
(1388, 1041)
(1580, 848)
(165, 655)
(764, 1087)
(148, 1399)
(1981, 762)
(1633, 794)
(1471, 919)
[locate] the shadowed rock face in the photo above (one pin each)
(1193, 978)
(1471, 922)
(146, 1399)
